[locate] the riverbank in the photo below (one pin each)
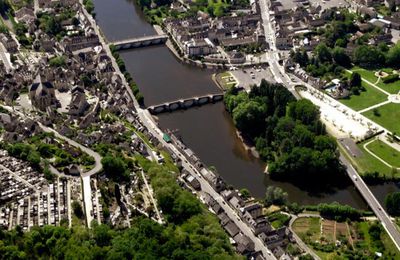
(207, 130)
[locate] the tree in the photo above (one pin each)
(368, 57)
(392, 203)
(249, 117)
(58, 61)
(355, 80)
(323, 53)
(115, 168)
(340, 57)
(275, 196)
(140, 98)
(393, 56)
(245, 193)
(77, 208)
(3, 6)
(52, 26)
(304, 110)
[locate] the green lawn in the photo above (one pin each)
(278, 220)
(369, 75)
(225, 80)
(389, 117)
(368, 163)
(385, 152)
(392, 88)
(367, 98)
(366, 74)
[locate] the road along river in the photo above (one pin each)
(208, 130)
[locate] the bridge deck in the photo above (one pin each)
(140, 39)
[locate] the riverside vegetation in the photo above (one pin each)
(287, 133)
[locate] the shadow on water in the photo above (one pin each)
(208, 130)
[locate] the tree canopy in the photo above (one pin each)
(287, 133)
(392, 202)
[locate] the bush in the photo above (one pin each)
(376, 112)
(77, 208)
(391, 78)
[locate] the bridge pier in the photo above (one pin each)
(140, 42)
(185, 103)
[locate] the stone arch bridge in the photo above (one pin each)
(139, 42)
(185, 103)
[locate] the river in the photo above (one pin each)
(208, 130)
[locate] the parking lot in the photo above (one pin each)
(248, 77)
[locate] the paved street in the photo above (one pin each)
(283, 78)
(372, 202)
(147, 120)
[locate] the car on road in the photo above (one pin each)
(355, 177)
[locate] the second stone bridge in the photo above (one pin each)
(185, 103)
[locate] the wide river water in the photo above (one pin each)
(208, 130)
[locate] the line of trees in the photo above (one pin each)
(121, 65)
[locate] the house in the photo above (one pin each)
(215, 181)
(25, 15)
(258, 225)
(244, 244)
(237, 202)
(42, 94)
(284, 43)
(193, 182)
(9, 43)
(74, 43)
(72, 170)
(394, 22)
(78, 104)
(231, 229)
(253, 209)
(363, 10)
(278, 237)
(46, 43)
(199, 47)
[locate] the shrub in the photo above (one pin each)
(391, 78)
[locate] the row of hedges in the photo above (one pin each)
(121, 65)
(337, 211)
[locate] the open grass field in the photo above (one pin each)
(388, 117)
(308, 227)
(385, 152)
(392, 88)
(368, 163)
(371, 96)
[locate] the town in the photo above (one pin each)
(80, 149)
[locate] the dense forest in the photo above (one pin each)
(287, 133)
(195, 239)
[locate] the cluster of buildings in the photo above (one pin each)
(293, 20)
(251, 213)
(27, 199)
(221, 39)
(249, 210)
